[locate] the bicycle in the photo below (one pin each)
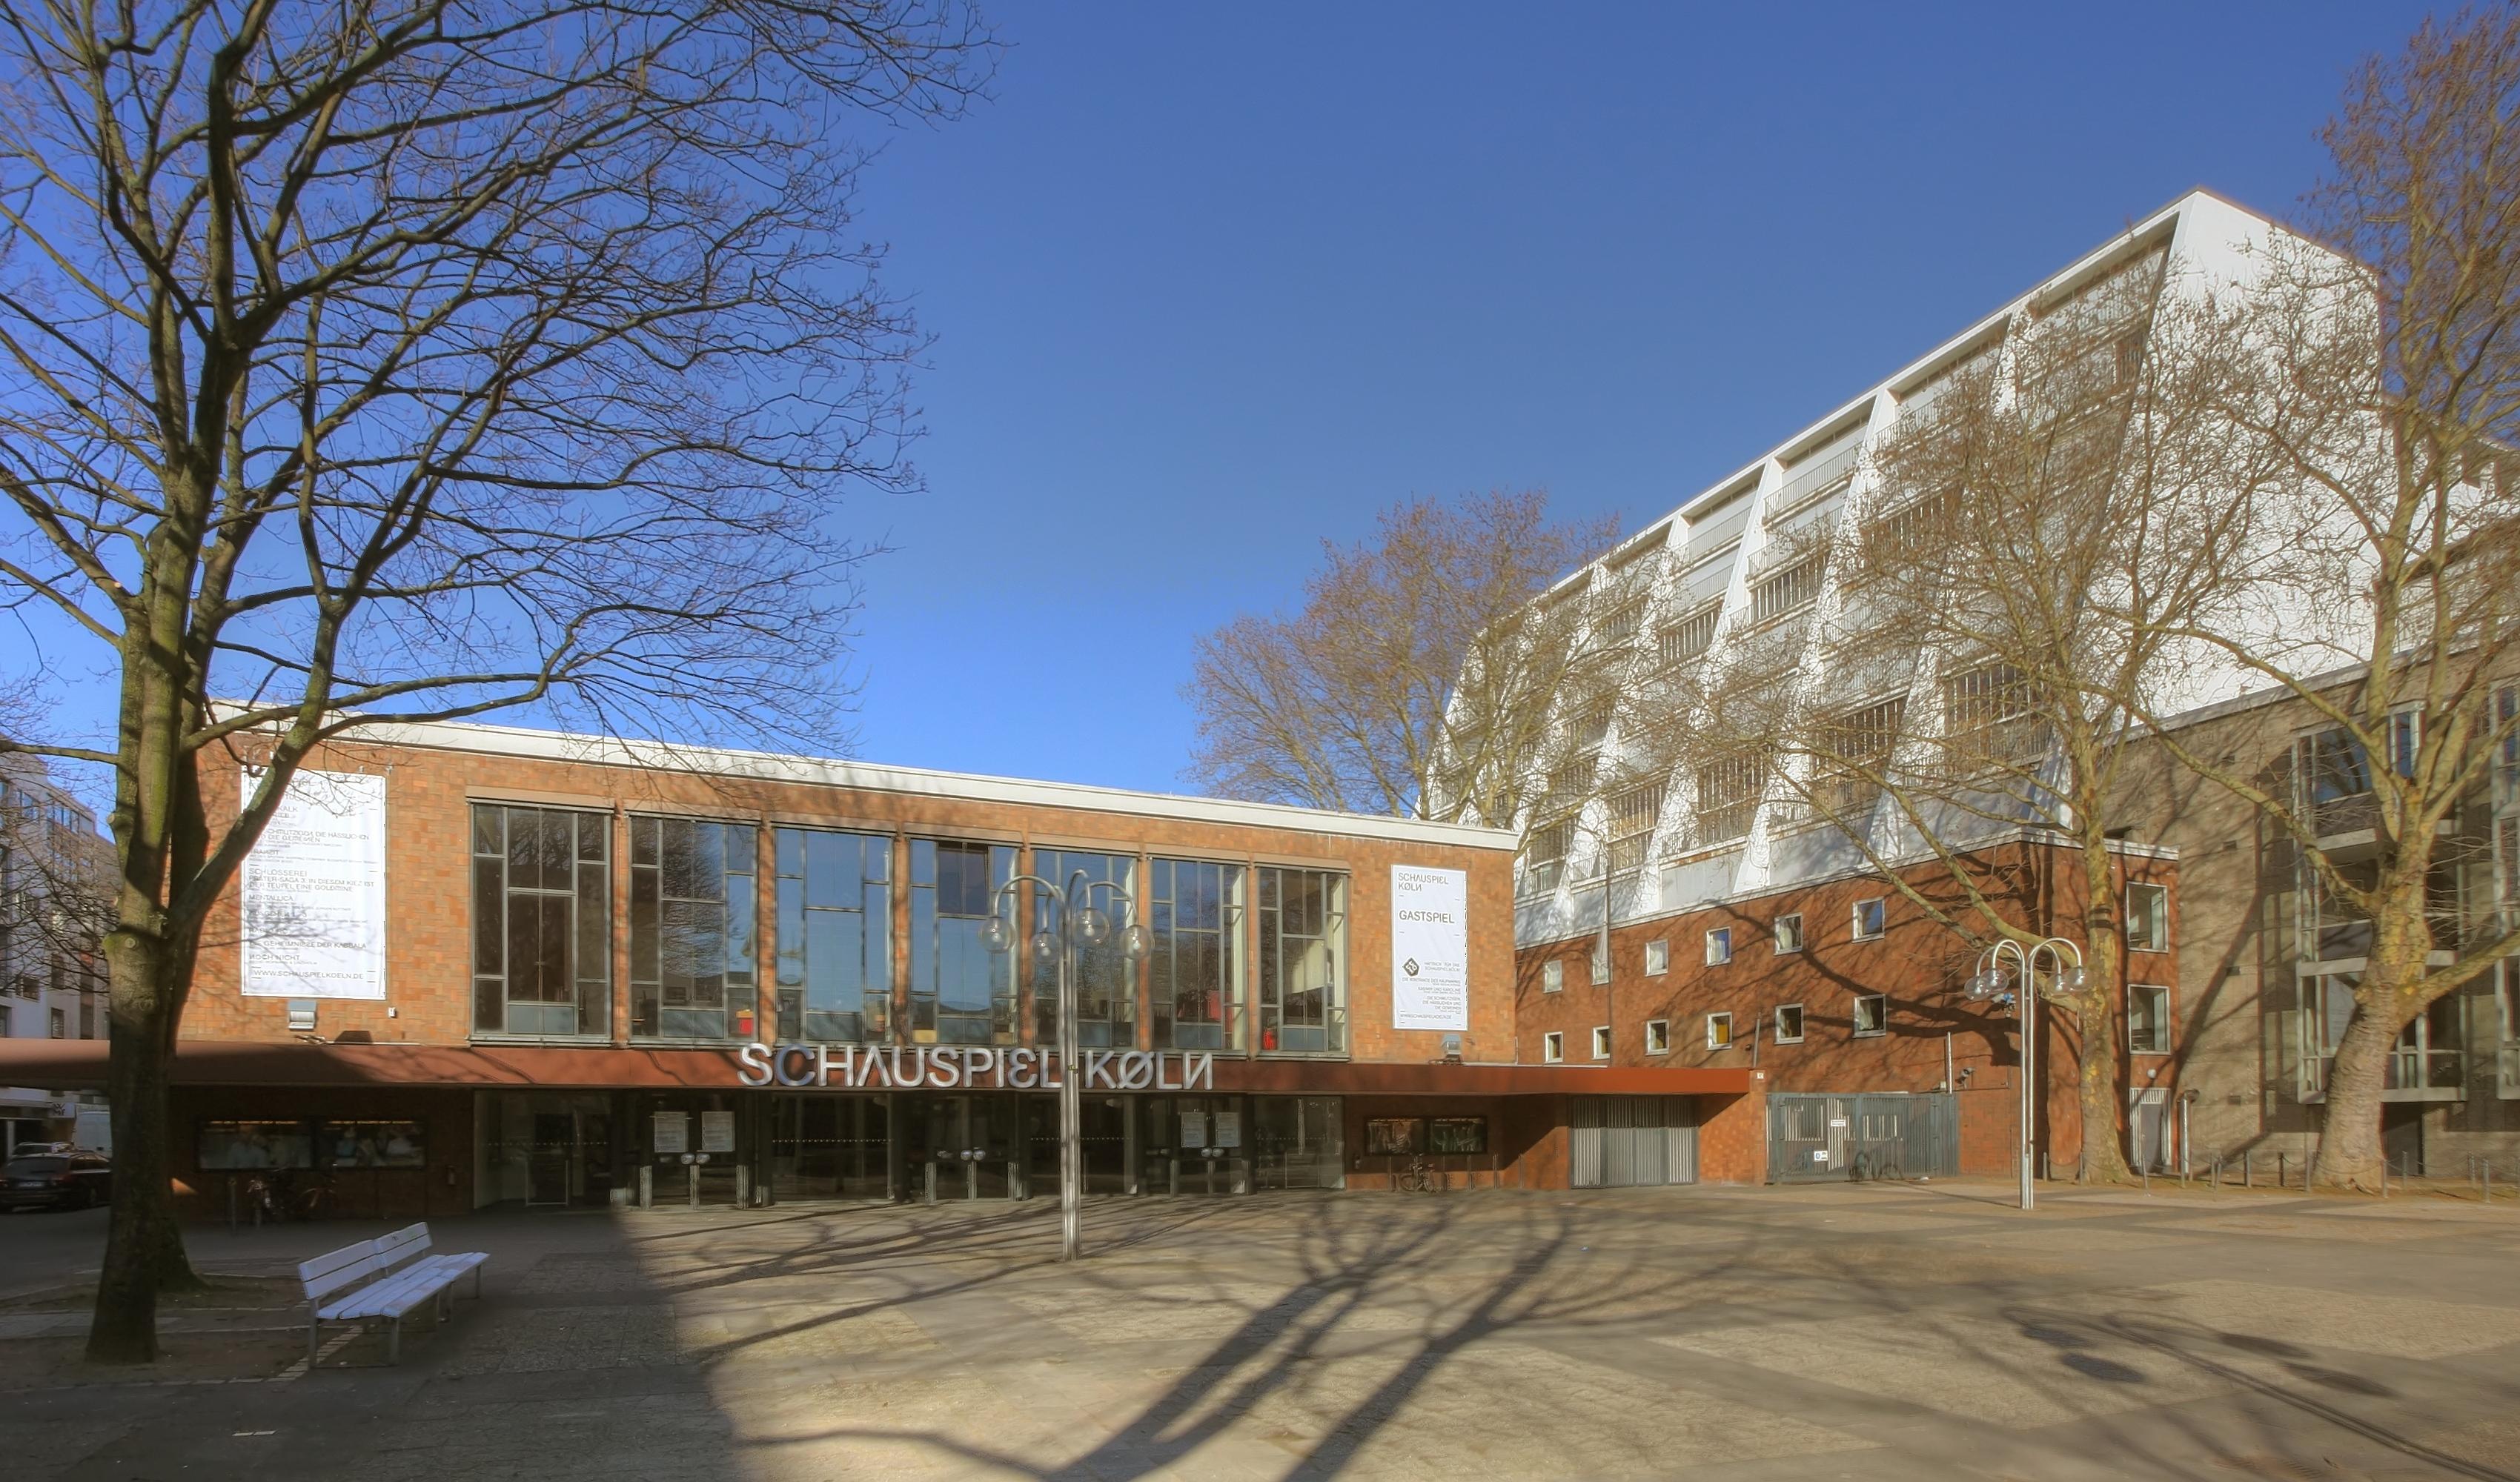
(1417, 1177)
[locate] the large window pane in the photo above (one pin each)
(961, 993)
(1195, 914)
(1303, 960)
(834, 909)
(1106, 982)
(541, 953)
(692, 938)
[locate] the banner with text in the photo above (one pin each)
(1431, 948)
(313, 889)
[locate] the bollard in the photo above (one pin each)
(2147, 1180)
(647, 1185)
(2280, 1174)
(2249, 1169)
(2489, 1181)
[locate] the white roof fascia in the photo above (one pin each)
(916, 782)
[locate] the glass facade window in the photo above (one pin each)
(692, 929)
(2147, 1019)
(1303, 960)
(542, 921)
(1194, 912)
(961, 993)
(834, 935)
(1107, 983)
(2147, 917)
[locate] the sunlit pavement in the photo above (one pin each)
(1841, 1332)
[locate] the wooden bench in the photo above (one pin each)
(407, 1279)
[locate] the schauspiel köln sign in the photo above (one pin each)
(853, 1067)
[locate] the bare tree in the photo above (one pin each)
(2015, 574)
(382, 362)
(1419, 676)
(2388, 386)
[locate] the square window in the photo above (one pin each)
(1868, 918)
(1789, 933)
(1553, 976)
(1657, 959)
(1552, 1047)
(1600, 968)
(1789, 1023)
(2147, 917)
(1872, 1014)
(1390, 1135)
(1658, 1036)
(1719, 1031)
(1600, 1042)
(2147, 1019)
(1719, 946)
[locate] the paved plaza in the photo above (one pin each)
(1862, 1331)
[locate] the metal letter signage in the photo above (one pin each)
(849, 1068)
(313, 890)
(1430, 949)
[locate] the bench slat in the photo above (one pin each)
(333, 1259)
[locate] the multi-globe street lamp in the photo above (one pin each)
(1989, 984)
(1076, 920)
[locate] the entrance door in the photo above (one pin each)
(1619, 1141)
(2148, 1127)
(964, 1146)
(1193, 1144)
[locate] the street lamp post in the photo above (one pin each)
(1076, 920)
(1988, 983)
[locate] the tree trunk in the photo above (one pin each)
(144, 1251)
(2103, 1156)
(2349, 1131)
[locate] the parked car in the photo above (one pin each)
(71, 1180)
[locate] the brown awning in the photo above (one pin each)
(79, 1064)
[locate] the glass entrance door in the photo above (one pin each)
(826, 1147)
(1193, 1144)
(966, 1146)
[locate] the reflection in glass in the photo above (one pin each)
(1303, 961)
(961, 993)
(1196, 992)
(834, 935)
(692, 929)
(1106, 982)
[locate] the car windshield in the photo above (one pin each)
(19, 1167)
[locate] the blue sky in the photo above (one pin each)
(1213, 284)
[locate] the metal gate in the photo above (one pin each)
(1621, 1142)
(1885, 1135)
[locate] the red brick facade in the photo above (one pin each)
(1929, 1034)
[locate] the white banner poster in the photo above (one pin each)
(313, 888)
(1430, 949)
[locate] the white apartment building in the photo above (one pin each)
(52, 982)
(1737, 560)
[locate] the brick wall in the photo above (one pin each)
(1917, 965)
(429, 791)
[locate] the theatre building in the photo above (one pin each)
(484, 965)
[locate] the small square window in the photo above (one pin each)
(1719, 946)
(1789, 1023)
(1719, 1031)
(1600, 968)
(1789, 933)
(2147, 1019)
(1658, 1036)
(1552, 1047)
(1553, 976)
(1872, 1014)
(1868, 918)
(1600, 1042)
(2147, 917)
(1657, 959)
